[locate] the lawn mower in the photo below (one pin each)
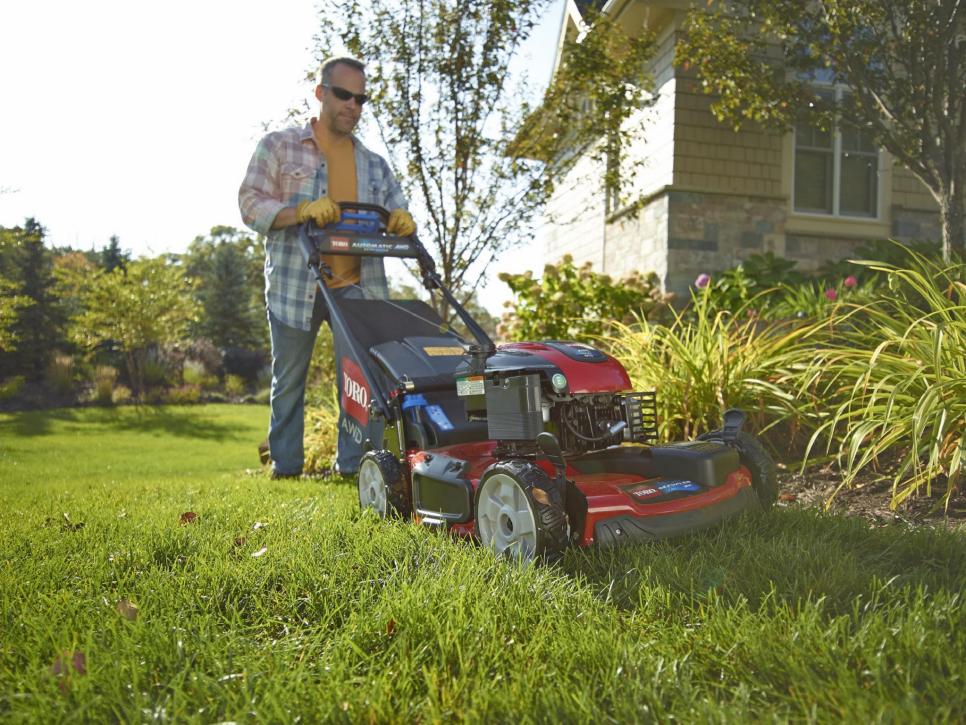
(529, 447)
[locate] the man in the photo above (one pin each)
(297, 175)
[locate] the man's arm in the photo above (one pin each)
(392, 193)
(258, 196)
(285, 218)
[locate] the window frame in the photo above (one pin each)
(839, 90)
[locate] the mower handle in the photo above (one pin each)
(372, 219)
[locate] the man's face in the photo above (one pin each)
(339, 116)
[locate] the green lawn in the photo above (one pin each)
(341, 617)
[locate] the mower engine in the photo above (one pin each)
(572, 390)
(598, 420)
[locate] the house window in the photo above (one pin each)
(836, 170)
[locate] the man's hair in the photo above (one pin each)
(325, 74)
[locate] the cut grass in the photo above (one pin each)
(343, 617)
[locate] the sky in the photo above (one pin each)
(138, 119)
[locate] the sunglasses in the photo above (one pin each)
(343, 95)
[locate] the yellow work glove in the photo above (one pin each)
(322, 211)
(400, 223)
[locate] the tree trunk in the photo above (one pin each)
(134, 369)
(952, 213)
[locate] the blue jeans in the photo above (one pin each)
(291, 355)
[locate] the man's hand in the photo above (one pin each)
(400, 223)
(322, 211)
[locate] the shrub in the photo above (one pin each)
(751, 282)
(196, 373)
(708, 360)
(773, 289)
(203, 351)
(104, 378)
(59, 374)
(817, 300)
(321, 375)
(576, 303)
(121, 394)
(895, 379)
(264, 377)
(884, 251)
(157, 369)
(183, 395)
(11, 387)
(155, 396)
(235, 385)
(322, 432)
(244, 362)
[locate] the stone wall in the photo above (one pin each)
(811, 251)
(711, 232)
(916, 225)
(638, 241)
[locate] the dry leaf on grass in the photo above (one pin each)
(68, 525)
(127, 610)
(188, 517)
(65, 665)
(67, 662)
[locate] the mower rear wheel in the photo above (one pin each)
(381, 485)
(520, 512)
(764, 478)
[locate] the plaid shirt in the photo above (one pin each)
(285, 169)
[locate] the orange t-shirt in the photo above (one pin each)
(339, 154)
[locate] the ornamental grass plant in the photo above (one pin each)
(709, 359)
(894, 380)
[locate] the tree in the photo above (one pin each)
(227, 266)
(112, 256)
(11, 303)
(31, 314)
(229, 319)
(903, 63)
(149, 303)
(458, 128)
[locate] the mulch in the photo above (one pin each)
(869, 498)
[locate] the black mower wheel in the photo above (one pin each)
(520, 512)
(764, 477)
(382, 487)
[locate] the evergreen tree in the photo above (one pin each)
(227, 265)
(225, 295)
(38, 327)
(112, 256)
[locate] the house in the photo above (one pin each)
(707, 197)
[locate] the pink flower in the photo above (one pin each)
(831, 294)
(851, 281)
(702, 281)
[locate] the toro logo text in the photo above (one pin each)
(355, 392)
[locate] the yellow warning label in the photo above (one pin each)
(442, 351)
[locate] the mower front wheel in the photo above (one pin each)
(381, 485)
(520, 512)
